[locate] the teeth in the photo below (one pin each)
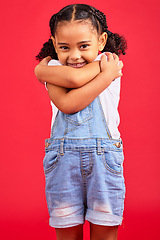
(76, 64)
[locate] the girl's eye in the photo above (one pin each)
(64, 48)
(84, 46)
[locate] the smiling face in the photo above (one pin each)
(77, 43)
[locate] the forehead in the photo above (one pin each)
(79, 29)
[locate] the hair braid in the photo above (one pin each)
(115, 43)
(52, 24)
(47, 50)
(101, 18)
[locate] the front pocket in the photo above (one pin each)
(113, 161)
(50, 161)
(80, 117)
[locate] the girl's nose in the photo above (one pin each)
(75, 55)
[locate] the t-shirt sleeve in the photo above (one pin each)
(54, 62)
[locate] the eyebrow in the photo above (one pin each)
(88, 41)
(63, 44)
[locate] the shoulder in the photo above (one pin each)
(98, 58)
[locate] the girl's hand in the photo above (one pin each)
(111, 65)
(45, 61)
(41, 65)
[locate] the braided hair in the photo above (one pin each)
(115, 43)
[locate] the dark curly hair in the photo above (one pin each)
(115, 43)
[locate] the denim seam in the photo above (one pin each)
(84, 181)
(108, 168)
(90, 129)
(62, 147)
(87, 149)
(66, 129)
(78, 124)
(48, 170)
(90, 115)
(89, 121)
(112, 139)
(99, 146)
(70, 130)
(90, 164)
(122, 205)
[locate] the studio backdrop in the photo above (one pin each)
(26, 116)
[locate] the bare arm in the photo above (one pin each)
(77, 99)
(66, 76)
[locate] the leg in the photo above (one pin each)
(71, 233)
(98, 232)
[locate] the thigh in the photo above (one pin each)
(71, 233)
(98, 232)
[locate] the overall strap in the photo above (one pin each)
(103, 118)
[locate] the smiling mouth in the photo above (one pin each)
(76, 65)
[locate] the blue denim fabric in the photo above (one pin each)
(83, 168)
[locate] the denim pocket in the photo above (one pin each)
(50, 161)
(80, 117)
(113, 161)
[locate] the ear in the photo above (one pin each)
(54, 42)
(102, 41)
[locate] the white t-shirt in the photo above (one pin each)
(109, 100)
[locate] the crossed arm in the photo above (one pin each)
(65, 76)
(62, 80)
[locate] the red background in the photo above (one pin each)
(26, 115)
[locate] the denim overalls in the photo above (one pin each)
(83, 170)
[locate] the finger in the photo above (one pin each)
(120, 64)
(109, 56)
(48, 58)
(120, 74)
(103, 57)
(107, 53)
(116, 58)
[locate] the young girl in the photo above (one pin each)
(84, 155)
